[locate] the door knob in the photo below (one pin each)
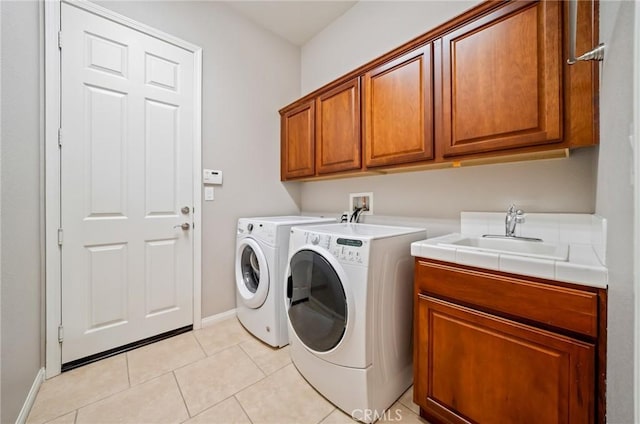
(185, 226)
(185, 210)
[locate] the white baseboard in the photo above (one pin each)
(31, 397)
(213, 319)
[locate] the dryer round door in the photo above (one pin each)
(252, 273)
(317, 302)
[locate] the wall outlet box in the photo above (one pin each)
(211, 176)
(361, 200)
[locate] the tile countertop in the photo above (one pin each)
(585, 234)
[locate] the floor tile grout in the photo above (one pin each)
(250, 358)
(242, 407)
(184, 401)
(110, 396)
(327, 416)
(214, 341)
(126, 358)
(198, 341)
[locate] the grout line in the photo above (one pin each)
(205, 357)
(264, 374)
(199, 344)
(251, 358)
(193, 334)
(214, 405)
(104, 396)
(110, 395)
(126, 358)
(242, 407)
(408, 407)
(326, 416)
(184, 401)
(283, 366)
(59, 416)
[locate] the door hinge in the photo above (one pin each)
(60, 234)
(60, 333)
(59, 39)
(59, 137)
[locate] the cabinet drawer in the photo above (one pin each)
(561, 307)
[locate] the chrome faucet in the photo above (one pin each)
(513, 217)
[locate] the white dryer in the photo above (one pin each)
(349, 304)
(261, 256)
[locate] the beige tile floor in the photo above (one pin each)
(220, 374)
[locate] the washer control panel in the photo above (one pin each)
(347, 250)
(262, 231)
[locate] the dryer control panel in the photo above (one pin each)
(346, 250)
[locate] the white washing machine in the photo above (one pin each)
(350, 312)
(261, 256)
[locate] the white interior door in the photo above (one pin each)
(126, 174)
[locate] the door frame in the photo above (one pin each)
(51, 159)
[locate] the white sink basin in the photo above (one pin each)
(513, 246)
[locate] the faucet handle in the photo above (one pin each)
(519, 216)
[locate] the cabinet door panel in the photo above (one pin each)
(475, 367)
(338, 145)
(398, 110)
(298, 142)
(501, 80)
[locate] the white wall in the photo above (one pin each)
(372, 28)
(249, 74)
(614, 201)
(21, 309)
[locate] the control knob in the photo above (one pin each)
(250, 227)
(315, 239)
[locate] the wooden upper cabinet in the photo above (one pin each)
(500, 84)
(398, 108)
(490, 83)
(338, 144)
(298, 142)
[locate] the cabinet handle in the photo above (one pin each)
(594, 54)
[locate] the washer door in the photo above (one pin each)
(317, 302)
(252, 273)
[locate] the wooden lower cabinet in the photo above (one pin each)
(473, 365)
(476, 367)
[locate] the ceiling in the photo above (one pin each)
(296, 21)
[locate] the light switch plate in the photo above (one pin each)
(208, 194)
